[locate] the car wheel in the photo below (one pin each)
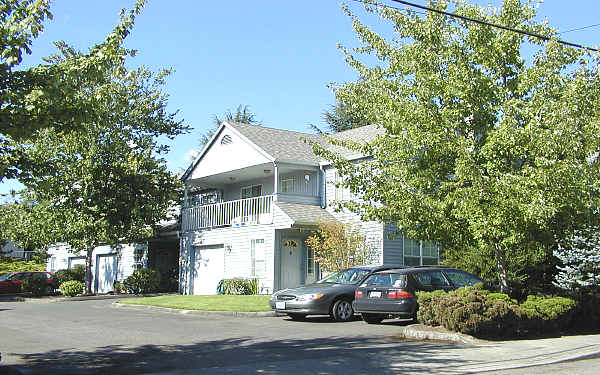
(297, 316)
(342, 311)
(48, 290)
(372, 318)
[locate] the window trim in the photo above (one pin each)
(253, 258)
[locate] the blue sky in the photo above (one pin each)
(275, 56)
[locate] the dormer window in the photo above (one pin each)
(226, 140)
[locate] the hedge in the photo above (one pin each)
(477, 312)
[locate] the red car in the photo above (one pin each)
(11, 282)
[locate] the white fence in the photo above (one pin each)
(240, 212)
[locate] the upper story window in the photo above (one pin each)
(226, 140)
(342, 193)
(287, 185)
(417, 253)
(251, 191)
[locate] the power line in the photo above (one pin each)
(464, 18)
(580, 28)
(523, 32)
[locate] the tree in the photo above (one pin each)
(490, 155)
(104, 181)
(50, 95)
(242, 114)
(580, 257)
(340, 117)
(337, 246)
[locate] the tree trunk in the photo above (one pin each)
(502, 271)
(88, 270)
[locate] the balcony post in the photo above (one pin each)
(276, 182)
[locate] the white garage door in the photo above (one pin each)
(106, 273)
(209, 269)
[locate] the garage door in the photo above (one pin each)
(209, 269)
(106, 273)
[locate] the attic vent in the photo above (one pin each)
(226, 140)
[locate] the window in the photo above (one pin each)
(257, 254)
(251, 191)
(417, 253)
(412, 252)
(310, 261)
(342, 193)
(287, 185)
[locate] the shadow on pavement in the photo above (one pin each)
(243, 356)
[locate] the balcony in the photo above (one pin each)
(237, 213)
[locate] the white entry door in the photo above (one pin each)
(208, 269)
(106, 272)
(291, 263)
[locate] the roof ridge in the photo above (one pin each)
(271, 128)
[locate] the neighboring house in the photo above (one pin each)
(110, 264)
(254, 195)
(10, 249)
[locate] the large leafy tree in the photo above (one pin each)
(53, 94)
(103, 181)
(489, 154)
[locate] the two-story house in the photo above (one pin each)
(253, 196)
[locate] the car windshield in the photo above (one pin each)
(5, 276)
(395, 280)
(347, 276)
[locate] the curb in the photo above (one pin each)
(234, 314)
(20, 298)
(414, 333)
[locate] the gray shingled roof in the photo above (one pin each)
(282, 145)
(305, 213)
(286, 145)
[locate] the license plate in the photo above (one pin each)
(375, 294)
(280, 305)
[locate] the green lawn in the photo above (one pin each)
(207, 303)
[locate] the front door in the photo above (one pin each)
(291, 263)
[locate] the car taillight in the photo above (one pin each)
(358, 294)
(399, 294)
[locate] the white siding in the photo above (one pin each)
(234, 191)
(224, 158)
(372, 230)
(60, 254)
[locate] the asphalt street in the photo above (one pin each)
(95, 337)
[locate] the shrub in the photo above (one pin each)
(483, 314)
(76, 273)
(71, 288)
(34, 285)
(238, 285)
(501, 297)
(143, 280)
(547, 313)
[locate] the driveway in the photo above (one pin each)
(94, 337)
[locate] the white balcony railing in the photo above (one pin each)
(240, 212)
